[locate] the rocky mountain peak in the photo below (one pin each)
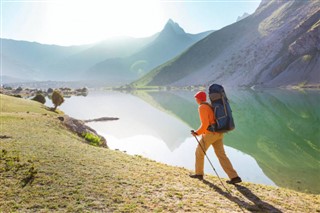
(172, 27)
(245, 15)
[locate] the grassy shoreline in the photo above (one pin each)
(46, 168)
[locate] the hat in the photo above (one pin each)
(201, 96)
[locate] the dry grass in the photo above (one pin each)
(46, 168)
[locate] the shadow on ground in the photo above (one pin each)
(257, 206)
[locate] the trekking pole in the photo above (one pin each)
(211, 164)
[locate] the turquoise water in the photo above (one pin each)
(276, 140)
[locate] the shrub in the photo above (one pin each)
(307, 58)
(92, 139)
(7, 88)
(40, 98)
(84, 89)
(57, 99)
(19, 89)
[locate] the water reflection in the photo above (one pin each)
(136, 117)
(278, 128)
(276, 138)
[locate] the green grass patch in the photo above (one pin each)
(92, 139)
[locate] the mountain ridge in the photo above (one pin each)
(255, 51)
(127, 58)
(170, 41)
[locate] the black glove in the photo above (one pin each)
(193, 132)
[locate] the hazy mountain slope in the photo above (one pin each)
(171, 41)
(278, 45)
(14, 69)
(116, 60)
(7, 80)
(24, 59)
(34, 61)
(76, 65)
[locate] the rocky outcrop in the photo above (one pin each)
(308, 42)
(245, 15)
(80, 128)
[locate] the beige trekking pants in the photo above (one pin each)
(216, 141)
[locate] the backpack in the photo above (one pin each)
(221, 108)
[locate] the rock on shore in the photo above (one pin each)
(80, 128)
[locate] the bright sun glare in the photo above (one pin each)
(96, 20)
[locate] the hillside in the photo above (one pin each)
(44, 167)
(276, 46)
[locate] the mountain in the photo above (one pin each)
(7, 80)
(29, 60)
(113, 61)
(75, 66)
(169, 43)
(35, 61)
(244, 15)
(276, 46)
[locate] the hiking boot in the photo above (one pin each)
(234, 180)
(200, 177)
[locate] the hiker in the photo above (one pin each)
(210, 138)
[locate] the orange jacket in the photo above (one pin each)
(206, 118)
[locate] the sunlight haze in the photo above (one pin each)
(72, 22)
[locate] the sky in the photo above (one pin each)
(75, 22)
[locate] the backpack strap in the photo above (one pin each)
(224, 104)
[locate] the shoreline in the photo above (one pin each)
(27, 92)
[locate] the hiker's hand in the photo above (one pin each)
(193, 133)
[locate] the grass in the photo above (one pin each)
(46, 168)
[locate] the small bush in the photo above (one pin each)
(19, 89)
(92, 139)
(307, 58)
(57, 99)
(40, 98)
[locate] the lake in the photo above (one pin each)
(276, 140)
